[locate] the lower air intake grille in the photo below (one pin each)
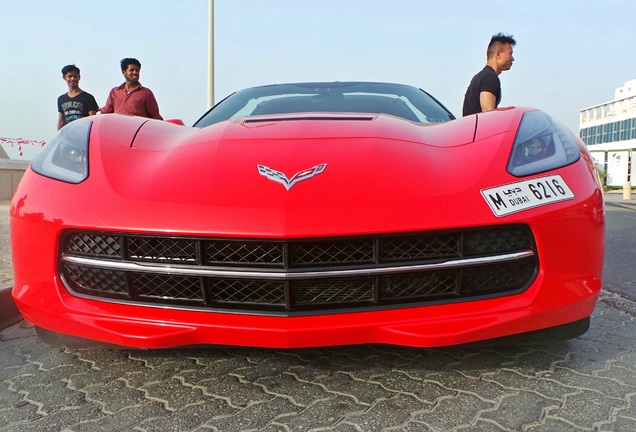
(299, 276)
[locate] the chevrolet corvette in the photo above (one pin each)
(308, 215)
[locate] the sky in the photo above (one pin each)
(570, 54)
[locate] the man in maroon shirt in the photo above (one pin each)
(131, 97)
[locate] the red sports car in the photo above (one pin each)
(311, 214)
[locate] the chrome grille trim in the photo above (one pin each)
(171, 269)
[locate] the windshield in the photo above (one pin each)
(398, 100)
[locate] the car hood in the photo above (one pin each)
(301, 174)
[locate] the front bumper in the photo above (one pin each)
(564, 290)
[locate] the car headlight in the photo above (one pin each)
(65, 157)
(541, 144)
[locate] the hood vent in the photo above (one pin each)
(309, 117)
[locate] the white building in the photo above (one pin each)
(609, 131)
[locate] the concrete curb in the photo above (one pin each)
(9, 313)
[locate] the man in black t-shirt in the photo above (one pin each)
(75, 103)
(484, 91)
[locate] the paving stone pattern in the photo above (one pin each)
(587, 384)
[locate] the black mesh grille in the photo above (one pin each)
(420, 247)
(161, 287)
(333, 291)
(246, 292)
(95, 281)
(288, 295)
(494, 278)
(160, 249)
(420, 285)
(224, 252)
(334, 252)
(94, 244)
(486, 242)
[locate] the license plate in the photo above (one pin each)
(524, 195)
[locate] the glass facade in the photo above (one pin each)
(622, 130)
(609, 131)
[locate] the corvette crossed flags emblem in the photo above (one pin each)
(281, 178)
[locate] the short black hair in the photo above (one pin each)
(499, 39)
(128, 61)
(70, 68)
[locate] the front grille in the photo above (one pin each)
(300, 275)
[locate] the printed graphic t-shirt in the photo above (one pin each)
(76, 107)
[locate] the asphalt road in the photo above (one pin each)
(619, 273)
(587, 384)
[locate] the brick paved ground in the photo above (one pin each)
(588, 384)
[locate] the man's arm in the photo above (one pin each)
(108, 108)
(152, 107)
(487, 101)
(92, 106)
(60, 120)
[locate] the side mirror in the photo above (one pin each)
(175, 121)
